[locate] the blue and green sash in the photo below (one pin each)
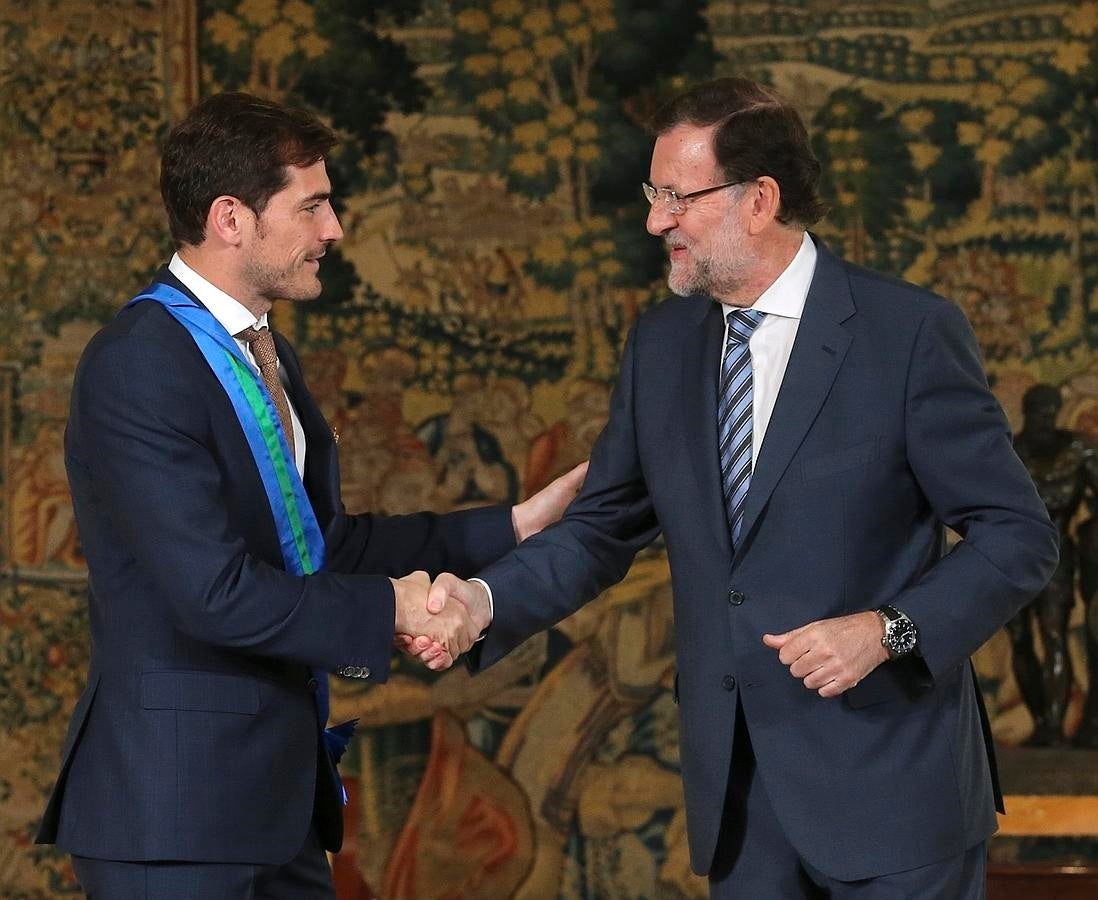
(299, 532)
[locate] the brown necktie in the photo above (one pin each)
(263, 349)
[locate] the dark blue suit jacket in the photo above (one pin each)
(884, 432)
(197, 736)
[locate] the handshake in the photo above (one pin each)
(438, 622)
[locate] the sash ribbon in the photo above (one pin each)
(299, 533)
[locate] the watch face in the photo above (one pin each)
(901, 636)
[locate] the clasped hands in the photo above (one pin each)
(430, 625)
(437, 631)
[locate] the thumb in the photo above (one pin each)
(436, 596)
(776, 641)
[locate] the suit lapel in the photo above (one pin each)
(701, 366)
(817, 355)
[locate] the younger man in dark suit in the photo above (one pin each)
(225, 577)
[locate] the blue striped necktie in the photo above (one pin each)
(734, 412)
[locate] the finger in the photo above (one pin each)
(439, 592)
(440, 662)
(410, 644)
(577, 475)
(806, 664)
(818, 678)
(797, 649)
(429, 645)
(833, 688)
(778, 641)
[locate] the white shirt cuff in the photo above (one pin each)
(491, 603)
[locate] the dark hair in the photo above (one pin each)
(238, 145)
(758, 134)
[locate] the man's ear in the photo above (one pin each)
(227, 219)
(766, 203)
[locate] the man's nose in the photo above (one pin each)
(332, 230)
(660, 219)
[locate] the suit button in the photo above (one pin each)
(311, 684)
(728, 683)
(364, 672)
(735, 598)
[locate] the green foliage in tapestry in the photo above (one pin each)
(566, 89)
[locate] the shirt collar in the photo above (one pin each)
(786, 296)
(233, 315)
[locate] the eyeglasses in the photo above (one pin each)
(676, 204)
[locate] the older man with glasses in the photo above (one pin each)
(802, 431)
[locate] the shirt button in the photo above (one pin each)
(728, 683)
(311, 684)
(735, 598)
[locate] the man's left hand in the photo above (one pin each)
(832, 655)
(547, 505)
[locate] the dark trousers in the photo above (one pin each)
(755, 861)
(306, 877)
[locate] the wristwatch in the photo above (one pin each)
(900, 635)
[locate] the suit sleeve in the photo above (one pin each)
(961, 451)
(552, 574)
(140, 455)
(461, 542)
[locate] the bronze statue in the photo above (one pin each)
(1065, 469)
(1087, 537)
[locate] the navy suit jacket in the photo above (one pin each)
(197, 736)
(884, 432)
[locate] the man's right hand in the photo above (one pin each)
(438, 638)
(471, 595)
(447, 595)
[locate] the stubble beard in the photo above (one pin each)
(279, 283)
(720, 274)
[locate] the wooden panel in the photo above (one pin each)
(1050, 814)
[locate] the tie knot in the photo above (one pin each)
(742, 322)
(262, 344)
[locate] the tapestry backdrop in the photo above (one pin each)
(465, 344)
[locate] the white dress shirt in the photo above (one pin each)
(235, 317)
(772, 342)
